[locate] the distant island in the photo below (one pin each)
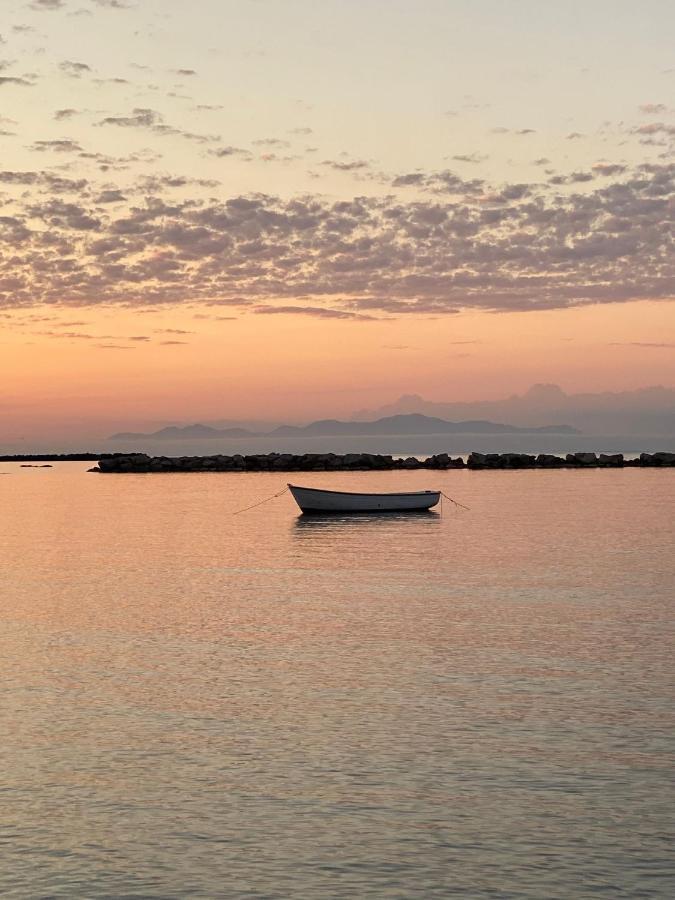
(410, 424)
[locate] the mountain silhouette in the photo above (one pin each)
(406, 424)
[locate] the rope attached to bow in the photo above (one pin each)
(260, 502)
(454, 501)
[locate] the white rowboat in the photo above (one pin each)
(313, 500)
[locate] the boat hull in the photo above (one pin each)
(313, 500)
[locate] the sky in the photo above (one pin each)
(287, 209)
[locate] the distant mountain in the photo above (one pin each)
(188, 432)
(649, 410)
(406, 424)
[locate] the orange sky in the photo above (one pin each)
(337, 204)
(297, 367)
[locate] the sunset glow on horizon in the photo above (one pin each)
(285, 210)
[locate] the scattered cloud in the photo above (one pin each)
(648, 345)
(653, 109)
(57, 146)
(223, 152)
(172, 331)
(319, 312)
(607, 169)
(42, 5)
(470, 157)
(271, 142)
(112, 4)
(652, 128)
(14, 79)
(354, 165)
(113, 195)
(68, 113)
(113, 347)
(432, 244)
(150, 119)
(74, 69)
(500, 129)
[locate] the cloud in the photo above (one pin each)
(271, 142)
(62, 114)
(74, 69)
(150, 119)
(172, 331)
(606, 169)
(354, 165)
(574, 136)
(140, 118)
(58, 146)
(158, 183)
(653, 128)
(573, 178)
(223, 152)
(500, 129)
(184, 72)
(653, 109)
(42, 5)
(13, 79)
(319, 312)
(111, 196)
(111, 81)
(649, 345)
(470, 157)
(434, 244)
(112, 4)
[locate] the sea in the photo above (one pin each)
(206, 703)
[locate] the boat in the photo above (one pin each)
(315, 500)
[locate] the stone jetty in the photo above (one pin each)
(351, 462)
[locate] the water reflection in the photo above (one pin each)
(357, 521)
(406, 705)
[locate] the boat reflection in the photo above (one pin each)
(369, 520)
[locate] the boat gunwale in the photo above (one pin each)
(364, 493)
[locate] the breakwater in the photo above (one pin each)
(333, 462)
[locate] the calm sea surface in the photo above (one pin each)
(478, 704)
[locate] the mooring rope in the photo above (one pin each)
(260, 502)
(453, 501)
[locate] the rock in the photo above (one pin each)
(517, 461)
(659, 459)
(610, 460)
(549, 461)
(582, 459)
(476, 461)
(125, 463)
(320, 462)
